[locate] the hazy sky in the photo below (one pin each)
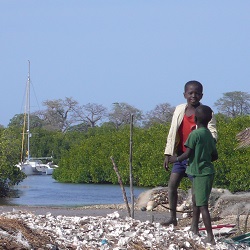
(133, 51)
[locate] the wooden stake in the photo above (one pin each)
(121, 184)
(245, 226)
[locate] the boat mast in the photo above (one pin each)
(28, 114)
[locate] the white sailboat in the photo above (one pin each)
(32, 166)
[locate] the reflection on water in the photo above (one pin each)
(43, 190)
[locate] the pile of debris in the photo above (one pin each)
(229, 211)
(21, 230)
(157, 198)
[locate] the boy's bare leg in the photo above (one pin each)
(207, 222)
(196, 216)
(173, 184)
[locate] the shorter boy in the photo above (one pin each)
(201, 151)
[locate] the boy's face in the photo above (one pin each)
(193, 94)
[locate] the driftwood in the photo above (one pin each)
(122, 187)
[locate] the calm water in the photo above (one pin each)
(43, 190)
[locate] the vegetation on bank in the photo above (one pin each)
(84, 157)
(9, 146)
(232, 167)
(89, 160)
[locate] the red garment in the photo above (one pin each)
(187, 125)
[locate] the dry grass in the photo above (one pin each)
(35, 239)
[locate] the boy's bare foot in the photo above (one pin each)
(196, 232)
(169, 222)
(210, 240)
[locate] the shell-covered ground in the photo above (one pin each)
(24, 230)
(109, 227)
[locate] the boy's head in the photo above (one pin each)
(197, 84)
(193, 92)
(203, 115)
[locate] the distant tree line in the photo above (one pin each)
(68, 115)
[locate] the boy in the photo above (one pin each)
(201, 151)
(181, 126)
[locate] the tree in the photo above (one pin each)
(9, 155)
(90, 113)
(18, 120)
(234, 103)
(59, 114)
(162, 113)
(82, 127)
(121, 114)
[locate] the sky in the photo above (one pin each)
(140, 52)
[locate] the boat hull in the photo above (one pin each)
(28, 169)
(49, 171)
(36, 167)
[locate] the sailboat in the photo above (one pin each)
(29, 165)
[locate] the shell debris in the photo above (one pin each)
(94, 232)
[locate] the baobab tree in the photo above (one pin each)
(233, 104)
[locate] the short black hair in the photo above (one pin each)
(203, 114)
(193, 82)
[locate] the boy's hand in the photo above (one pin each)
(165, 164)
(172, 159)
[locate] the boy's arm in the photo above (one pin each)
(165, 163)
(212, 127)
(214, 156)
(184, 156)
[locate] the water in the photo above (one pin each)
(43, 190)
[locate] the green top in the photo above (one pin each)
(203, 145)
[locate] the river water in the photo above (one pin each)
(43, 190)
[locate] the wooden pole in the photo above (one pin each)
(131, 165)
(122, 187)
(247, 215)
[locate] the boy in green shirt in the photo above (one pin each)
(201, 151)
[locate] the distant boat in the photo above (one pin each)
(34, 166)
(29, 165)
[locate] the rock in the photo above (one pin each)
(232, 204)
(151, 205)
(159, 195)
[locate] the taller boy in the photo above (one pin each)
(182, 124)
